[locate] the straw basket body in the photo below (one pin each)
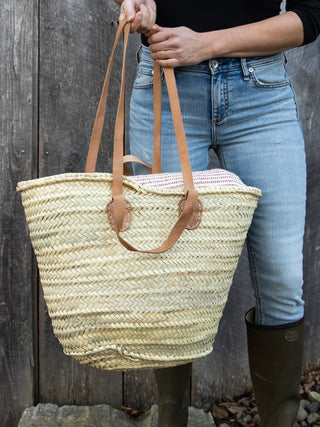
(116, 309)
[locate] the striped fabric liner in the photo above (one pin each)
(200, 178)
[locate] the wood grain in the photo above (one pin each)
(18, 145)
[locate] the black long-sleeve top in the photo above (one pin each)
(207, 15)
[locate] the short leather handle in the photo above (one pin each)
(191, 202)
(119, 204)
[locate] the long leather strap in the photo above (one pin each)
(118, 201)
(101, 111)
(156, 165)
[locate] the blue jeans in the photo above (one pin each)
(245, 110)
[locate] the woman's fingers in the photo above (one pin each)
(127, 11)
(161, 46)
(144, 24)
(148, 11)
(136, 23)
(174, 47)
(141, 14)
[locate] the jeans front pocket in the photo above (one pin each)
(144, 75)
(269, 75)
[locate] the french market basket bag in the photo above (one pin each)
(116, 307)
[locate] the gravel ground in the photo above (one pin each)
(243, 411)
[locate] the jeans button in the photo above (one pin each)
(215, 63)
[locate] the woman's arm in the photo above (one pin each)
(173, 47)
(141, 14)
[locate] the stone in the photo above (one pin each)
(313, 396)
(26, 417)
(199, 418)
(257, 417)
(247, 418)
(313, 417)
(50, 415)
(313, 407)
(304, 403)
(75, 415)
(302, 414)
(254, 410)
(43, 415)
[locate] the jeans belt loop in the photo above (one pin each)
(244, 68)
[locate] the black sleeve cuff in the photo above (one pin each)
(309, 13)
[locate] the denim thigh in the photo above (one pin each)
(244, 109)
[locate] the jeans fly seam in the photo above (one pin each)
(225, 100)
(213, 130)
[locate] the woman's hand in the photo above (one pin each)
(174, 47)
(141, 14)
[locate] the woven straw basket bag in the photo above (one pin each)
(116, 307)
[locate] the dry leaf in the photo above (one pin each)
(308, 387)
(132, 412)
(220, 412)
(238, 411)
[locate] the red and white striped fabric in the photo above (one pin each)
(207, 178)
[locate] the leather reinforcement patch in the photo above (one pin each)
(195, 219)
(127, 215)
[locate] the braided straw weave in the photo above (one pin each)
(116, 309)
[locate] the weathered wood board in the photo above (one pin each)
(18, 146)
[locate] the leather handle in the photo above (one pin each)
(157, 104)
(129, 158)
(183, 222)
(101, 111)
(119, 206)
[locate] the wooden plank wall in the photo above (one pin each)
(50, 98)
(18, 152)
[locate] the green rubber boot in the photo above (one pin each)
(174, 394)
(275, 359)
